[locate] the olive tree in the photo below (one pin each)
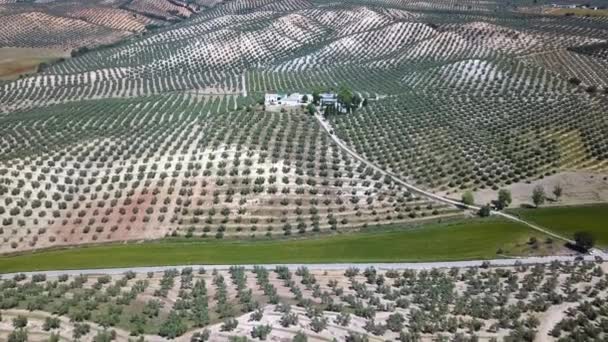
(538, 195)
(467, 198)
(504, 199)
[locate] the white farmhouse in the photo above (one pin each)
(328, 99)
(288, 100)
(272, 99)
(563, 6)
(331, 100)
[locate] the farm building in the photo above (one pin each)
(328, 99)
(273, 99)
(563, 6)
(295, 99)
(331, 100)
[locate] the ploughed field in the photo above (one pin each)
(160, 134)
(545, 302)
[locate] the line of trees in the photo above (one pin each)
(505, 199)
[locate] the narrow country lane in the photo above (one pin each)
(328, 267)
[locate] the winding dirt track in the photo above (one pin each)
(327, 126)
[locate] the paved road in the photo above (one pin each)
(337, 266)
(327, 126)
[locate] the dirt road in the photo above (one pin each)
(327, 126)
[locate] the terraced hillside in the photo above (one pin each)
(67, 24)
(163, 134)
(554, 302)
(34, 33)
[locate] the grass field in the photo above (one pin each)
(568, 220)
(473, 239)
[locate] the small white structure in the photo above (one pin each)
(288, 100)
(328, 99)
(563, 6)
(331, 100)
(272, 99)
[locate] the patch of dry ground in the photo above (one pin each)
(578, 188)
(550, 318)
(15, 62)
(577, 11)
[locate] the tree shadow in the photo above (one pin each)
(576, 248)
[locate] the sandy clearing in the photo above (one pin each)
(36, 321)
(11, 53)
(15, 62)
(579, 187)
(549, 319)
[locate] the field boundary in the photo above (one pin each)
(327, 127)
(325, 266)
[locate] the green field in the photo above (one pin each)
(568, 220)
(473, 239)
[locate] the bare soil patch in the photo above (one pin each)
(578, 188)
(15, 62)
